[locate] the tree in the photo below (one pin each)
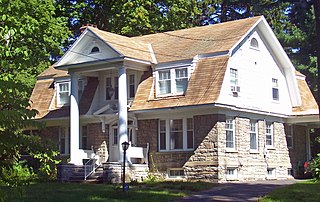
(30, 34)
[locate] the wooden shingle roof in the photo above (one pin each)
(203, 88)
(186, 43)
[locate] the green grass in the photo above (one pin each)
(303, 191)
(47, 192)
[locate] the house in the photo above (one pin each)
(217, 103)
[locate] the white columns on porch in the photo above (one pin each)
(123, 111)
(74, 122)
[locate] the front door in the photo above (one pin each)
(114, 141)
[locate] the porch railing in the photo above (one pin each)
(90, 167)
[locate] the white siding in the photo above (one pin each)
(256, 68)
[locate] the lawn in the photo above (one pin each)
(303, 191)
(101, 192)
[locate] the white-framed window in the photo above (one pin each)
(64, 140)
(253, 135)
(132, 85)
(271, 172)
(233, 77)
(176, 134)
(172, 81)
(63, 93)
(84, 138)
(176, 173)
(232, 173)
(269, 134)
(289, 135)
(111, 88)
(230, 133)
(254, 43)
(181, 79)
(95, 49)
(275, 89)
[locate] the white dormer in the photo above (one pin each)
(171, 80)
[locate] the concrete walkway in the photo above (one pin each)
(248, 191)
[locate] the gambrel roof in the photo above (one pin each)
(214, 44)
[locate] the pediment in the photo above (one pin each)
(88, 48)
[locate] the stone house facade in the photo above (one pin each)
(221, 104)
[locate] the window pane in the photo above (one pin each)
(116, 93)
(164, 82)
(229, 139)
(269, 139)
(165, 87)
(181, 85)
(253, 141)
(162, 135)
(115, 136)
(176, 134)
(109, 89)
(190, 139)
(233, 77)
(275, 94)
(131, 86)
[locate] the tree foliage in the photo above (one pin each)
(30, 33)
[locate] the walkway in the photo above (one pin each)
(248, 191)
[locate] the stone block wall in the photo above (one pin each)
(253, 165)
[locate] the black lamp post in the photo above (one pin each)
(125, 146)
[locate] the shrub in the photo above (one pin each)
(315, 167)
(17, 175)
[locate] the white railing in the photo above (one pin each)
(90, 167)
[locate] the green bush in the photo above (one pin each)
(17, 175)
(315, 167)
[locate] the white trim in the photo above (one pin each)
(233, 124)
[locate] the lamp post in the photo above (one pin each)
(125, 146)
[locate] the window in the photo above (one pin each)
(176, 134)
(271, 172)
(63, 93)
(112, 88)
(181, 80)
(131, 86)
(84, 138)
(289, 135)
(233, 77)
(109, 89)
(254, 43)
(230, 133)
(172, 81)
(253, 135)
(231, 173)
(64, 140)
(176, 173)
(275, 89)
(164, 82)
(95, 50)
(115, 136)
(269, 134)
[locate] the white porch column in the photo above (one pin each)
(74, 122)
(123, 110)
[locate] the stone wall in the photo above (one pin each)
(253, 165)
(203, 164)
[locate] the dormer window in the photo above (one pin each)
(63, 93)
(172, 81)
(254, 43)
(95, 49)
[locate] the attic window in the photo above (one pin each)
(254, 43)
(95, 49)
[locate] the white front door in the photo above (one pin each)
(114, 141)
